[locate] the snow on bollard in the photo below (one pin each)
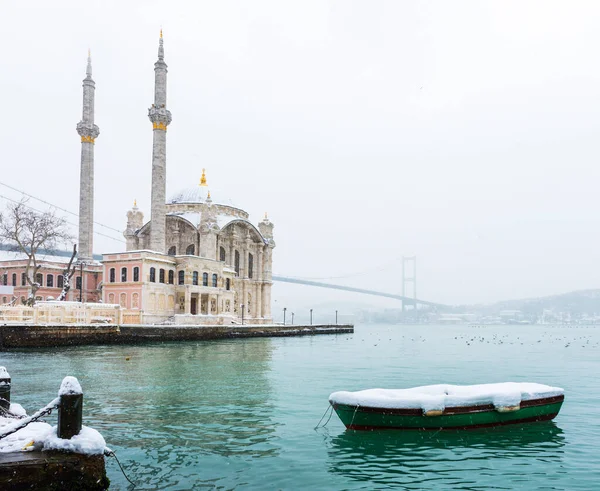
(70, 411)
(4, 389)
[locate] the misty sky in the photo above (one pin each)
(460, 132)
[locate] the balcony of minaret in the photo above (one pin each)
(87, 132)
(160, 117)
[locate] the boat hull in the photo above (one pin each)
(482, 416)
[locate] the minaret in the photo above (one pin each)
(88, 132)
(161, 118)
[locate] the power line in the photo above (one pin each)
(70, 223)
(57, 207)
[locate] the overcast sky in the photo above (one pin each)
(464, 133)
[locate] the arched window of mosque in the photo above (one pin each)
(195, 278)
(227, 284)
(250, 265)
(181, 277)
(50, 280)
(172, 251)
(204, 279)
(78, 283)
(59, 281)
(237, 263)
(171, 277)
(124, 275)
(23, 279)
(214, 280)
(123, 300)
(153, 275)
(190, 250)
(136, 274)
(135, 302)
(39, 278)
(161, 276)
(14, 279)
(112, 275)
(222, 254)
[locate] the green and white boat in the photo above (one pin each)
(435, 407)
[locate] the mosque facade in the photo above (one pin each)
(197, 260)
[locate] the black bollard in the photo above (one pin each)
(4, 389)
(70, 415)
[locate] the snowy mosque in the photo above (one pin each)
(196, 261)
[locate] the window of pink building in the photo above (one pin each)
(112, 275)
(136, 274)
(59, 281)
(50, 280)
(123, 275)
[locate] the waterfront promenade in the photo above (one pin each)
(39, 336)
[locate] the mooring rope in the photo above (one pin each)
(330, 408)
(111, 453)
(354, 415)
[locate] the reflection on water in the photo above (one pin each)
(418, 458)
(240, 414)
(166, 409)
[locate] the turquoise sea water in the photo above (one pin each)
(240, 414)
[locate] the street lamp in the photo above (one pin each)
(242, 307)
(311, 317)
(292, 318)
(81, 264)
(284, 310)
(336, 317)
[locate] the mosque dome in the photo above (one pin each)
(199, 194)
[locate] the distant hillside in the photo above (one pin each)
(582, 302)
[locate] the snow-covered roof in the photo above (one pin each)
(192, 217)
(19, 256)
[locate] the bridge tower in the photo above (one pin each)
(409, 279)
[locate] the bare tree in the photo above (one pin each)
(67, 275)
(27, 231)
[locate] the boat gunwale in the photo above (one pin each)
(448, 411)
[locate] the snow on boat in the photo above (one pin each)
(434, 407)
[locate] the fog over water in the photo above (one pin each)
(461, 132)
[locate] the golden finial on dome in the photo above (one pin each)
(208, 196)
(266, 217)
(134, 203)
(203, 178)
(161, 32)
